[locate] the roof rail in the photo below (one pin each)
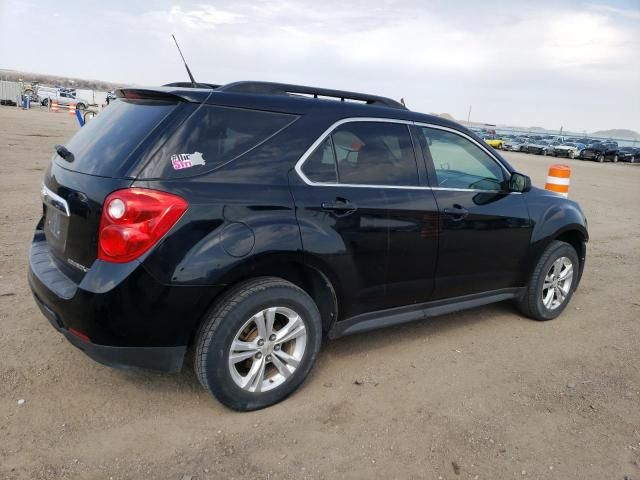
(190, 85)
(287, 89)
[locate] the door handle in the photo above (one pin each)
(456, 213)
(340, 206)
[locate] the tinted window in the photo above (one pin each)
(460, 163)
(320, 166)
(375, 153)
(364, 153)
(104, 144)
(212, 136)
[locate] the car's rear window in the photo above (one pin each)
(210, 137)
(104, 145)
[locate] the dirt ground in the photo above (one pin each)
(484, 394)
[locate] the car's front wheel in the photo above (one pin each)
(552, 282)
(258, 344)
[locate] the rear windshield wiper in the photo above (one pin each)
(64, 153)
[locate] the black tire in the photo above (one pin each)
(45, 102)
(225, 320)
(601, 158)
(530, 303)
(81, 106)
(615, 159)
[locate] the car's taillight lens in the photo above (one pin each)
(133, 220)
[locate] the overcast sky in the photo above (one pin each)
(542, 63)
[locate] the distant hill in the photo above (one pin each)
(56, 80)
(618, 133)
(448, 116)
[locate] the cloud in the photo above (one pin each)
(202, 17)
(632, 14)
(517, 63)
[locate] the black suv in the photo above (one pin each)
(249, 220)
(601, 152)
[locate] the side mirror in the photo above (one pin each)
(519, 183)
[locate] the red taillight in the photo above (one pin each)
(133, 220)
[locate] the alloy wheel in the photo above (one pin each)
(557, 283)
(267, 349)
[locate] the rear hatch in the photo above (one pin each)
(106, 152)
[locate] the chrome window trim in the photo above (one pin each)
(325, 134)
(56, 201)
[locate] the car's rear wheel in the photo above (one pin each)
(552, 282)
(601, 158)
(258, 344)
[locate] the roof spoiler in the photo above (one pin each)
(146, 94)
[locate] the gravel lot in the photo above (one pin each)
(484, 394)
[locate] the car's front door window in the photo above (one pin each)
(459, 163)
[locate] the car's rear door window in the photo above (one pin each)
(320, 166)
(365, 153)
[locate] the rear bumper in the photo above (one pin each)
(165, 359)
(121, 315)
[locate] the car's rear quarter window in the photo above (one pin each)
(210, 137)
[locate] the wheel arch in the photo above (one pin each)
(573, 234)
(311, 279)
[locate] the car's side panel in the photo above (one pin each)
(413, 246)
(354, 245)
(223, 226)
(487, 249)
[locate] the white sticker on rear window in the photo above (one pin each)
(186, 160)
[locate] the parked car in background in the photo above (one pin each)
(64, 96)
(548, 149)
(494, 141)
(537, 147)
(629, 154)
(567, 149)
(514, 145)
(601, 152)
